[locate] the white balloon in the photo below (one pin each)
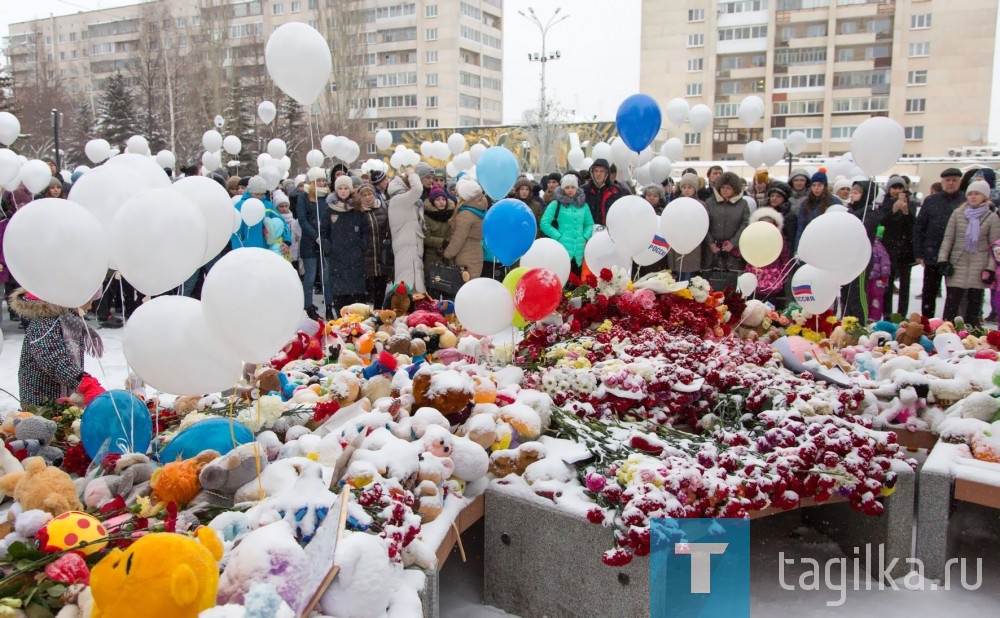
(814, 289)
(673, 149)
(646, 155)
(456, 143)
(642, 176)
(10, 128)
(700, 117)
(36, 175)
(97, 150)
(339, 143)
(350, 152)
(264, 159)
(659, 169)
(216, 208)
(426, 149)
(168, 343)
(760, 243)
(587, 162)
(656, 251)
(837, 208)
(451, 170)
(57, 251)
(237, 215)
(550, 254)
(395, 161)
(10, 167)
(383, 139)
(463, 161)
(796, 142)
(475, 151)
(836, 242)
(622, 154)
(82, 169)
(315, 158)
(284, 164)
(298, 61)
(772, 151)
(877, 144)
(211, 161)
(684, 224)
(440, 150)
(632, 224)
(138, 144)
(575, 158)
(271, 174)
(276, 148)
(155, 262)
(751, 154)
(601, 150)
(267, 112)
(601, 252)
(232, 145)
(327, 144)
(219, 122)
(750, 111)
(252, 211)
(166, 159)
(252, 299)
(677, 111)
(747, 284)
(484, 305)
(212, 141)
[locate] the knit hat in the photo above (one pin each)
(766, 212)
(600, 163)
(780, 188)
(435, 193)
(895, 181)
(689, 180)
(365, 188)
(841, 183)
(301, 178)
(569, 180)
(315, 173)
(819, 177)
(340, 167)
(796, 173)
(761, 176)
(343, 181)
(556, 176)
(468, 189)
(423, 170)
(279, 197)
(979, 186)
(257, 185)
(376, 176)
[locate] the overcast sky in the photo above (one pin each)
(598, 43)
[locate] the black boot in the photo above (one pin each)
(312, 312)
(329, 312)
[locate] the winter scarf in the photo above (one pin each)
(974, 215)
(73, 329)
(441, 216)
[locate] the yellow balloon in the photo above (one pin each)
(519, 321)
(515, 274)
(760, 243)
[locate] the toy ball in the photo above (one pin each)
(69, 531)
(118, 419)
(214, 434)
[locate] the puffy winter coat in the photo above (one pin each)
(406, 223)
(726, 221)
(928, 231)
(600, 199)
(348, 230)
(574, 225)
(438, 233)
(378, 232)
(968, 266)
(466, 243)
(306, 212)
(898, 236)
(253, 235)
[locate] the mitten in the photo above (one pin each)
(90, 388)
(989, 277)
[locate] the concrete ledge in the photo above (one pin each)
(430, 595)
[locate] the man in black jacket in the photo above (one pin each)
(600, 192)
(928, 233)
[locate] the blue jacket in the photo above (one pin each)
(253, 236)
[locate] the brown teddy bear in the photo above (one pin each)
(909, 331)
(42, 487)
(515, 461)
(447, 391)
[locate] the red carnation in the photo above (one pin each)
(324, 410)
(606, 274)
(109, 462)
(69, 569)
(993, 338)
(76, 460)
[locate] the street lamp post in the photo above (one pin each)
(543, 57)
(55, 136)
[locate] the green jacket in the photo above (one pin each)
(436, 235)
(574, 226)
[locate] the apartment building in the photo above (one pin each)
(822, 67)
(435, 63)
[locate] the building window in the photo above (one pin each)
(468, 79)
(72, 36)
(861, 79)
(412, 123)
(696, 40)
(919, 22)
(72, 54)
(841, 133)
(277, 9)
(692, 139)
(916, 105)
(694, 90)
(920, 49)
(742, 6)
(392, 124)
(798, 108)
(916, 78)
(491, 63)
(372, 149)
(468, 101)
(296, 6)
(726, 110)
(372, 126)
(399, 100)
(785, 82)
(802, 55)
(796, 5)
(696, 15)
(62, 55)
(492, 83)
(696, 64)
(467, 121)
(431, 34)
(431, 123)
(914, 133)
(432, 101)
(431, 10)
(860, 104)
(430, 57)
(744, 32)
(813, 134)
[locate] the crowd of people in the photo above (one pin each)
(355, 236)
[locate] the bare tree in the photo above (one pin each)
(147, 71)
(343, 105)
(37, 94)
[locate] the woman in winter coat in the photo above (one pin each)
(568, 221)
(972, 230)
(772, 277)
(438, 212)
(799, 184)
(308, 208)
(406, 224)
(898, 213)
(466, 243)
(348, 229)
(728, 216)
(378, 253)
(523, 191)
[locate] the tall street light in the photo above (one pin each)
(543, 57)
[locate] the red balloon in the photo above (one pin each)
(537, 294)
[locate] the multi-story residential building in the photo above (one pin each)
(822, 67)
(433, 63)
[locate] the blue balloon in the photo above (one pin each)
(210, 434)
(638, 121)
(497, 171)
(509, 229)
(119, 419)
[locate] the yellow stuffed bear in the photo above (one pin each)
(41, 487)
(162, 575)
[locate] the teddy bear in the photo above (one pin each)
(186, 404)
(447, 390)
(515, 461)
(33, 435)
(909, 331)
(8, 464)
(43, 487)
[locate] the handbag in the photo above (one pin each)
(445, 278)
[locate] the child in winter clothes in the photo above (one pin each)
(283, 203)
(568, 221)
(995, 284)
(771, 278)
(878, 278)
(438, 212)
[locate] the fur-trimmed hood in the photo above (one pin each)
(33, 309)
(767, 212)
(732, 180)
(560, 196)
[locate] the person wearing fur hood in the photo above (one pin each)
(771, 278)
(568, 220)
(406, 224)
(728, 216)
(55, 342)
(465, 245)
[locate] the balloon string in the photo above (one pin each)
(322, 273)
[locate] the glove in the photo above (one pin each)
(989, 277)
(90, 388)
(946, 269)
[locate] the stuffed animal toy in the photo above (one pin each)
(8, 464)
(904, 409)
(308, 344)
(41, 487)
(948, 345)
(400, 300)
(165, 574)
(427, 318)
(884, 326)
(177, 481)
(131, 478)
(33, 435)
(910, 331)
(359, 309)
(303, 505)
(515, 461)
(446, 390)
(222, 477)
